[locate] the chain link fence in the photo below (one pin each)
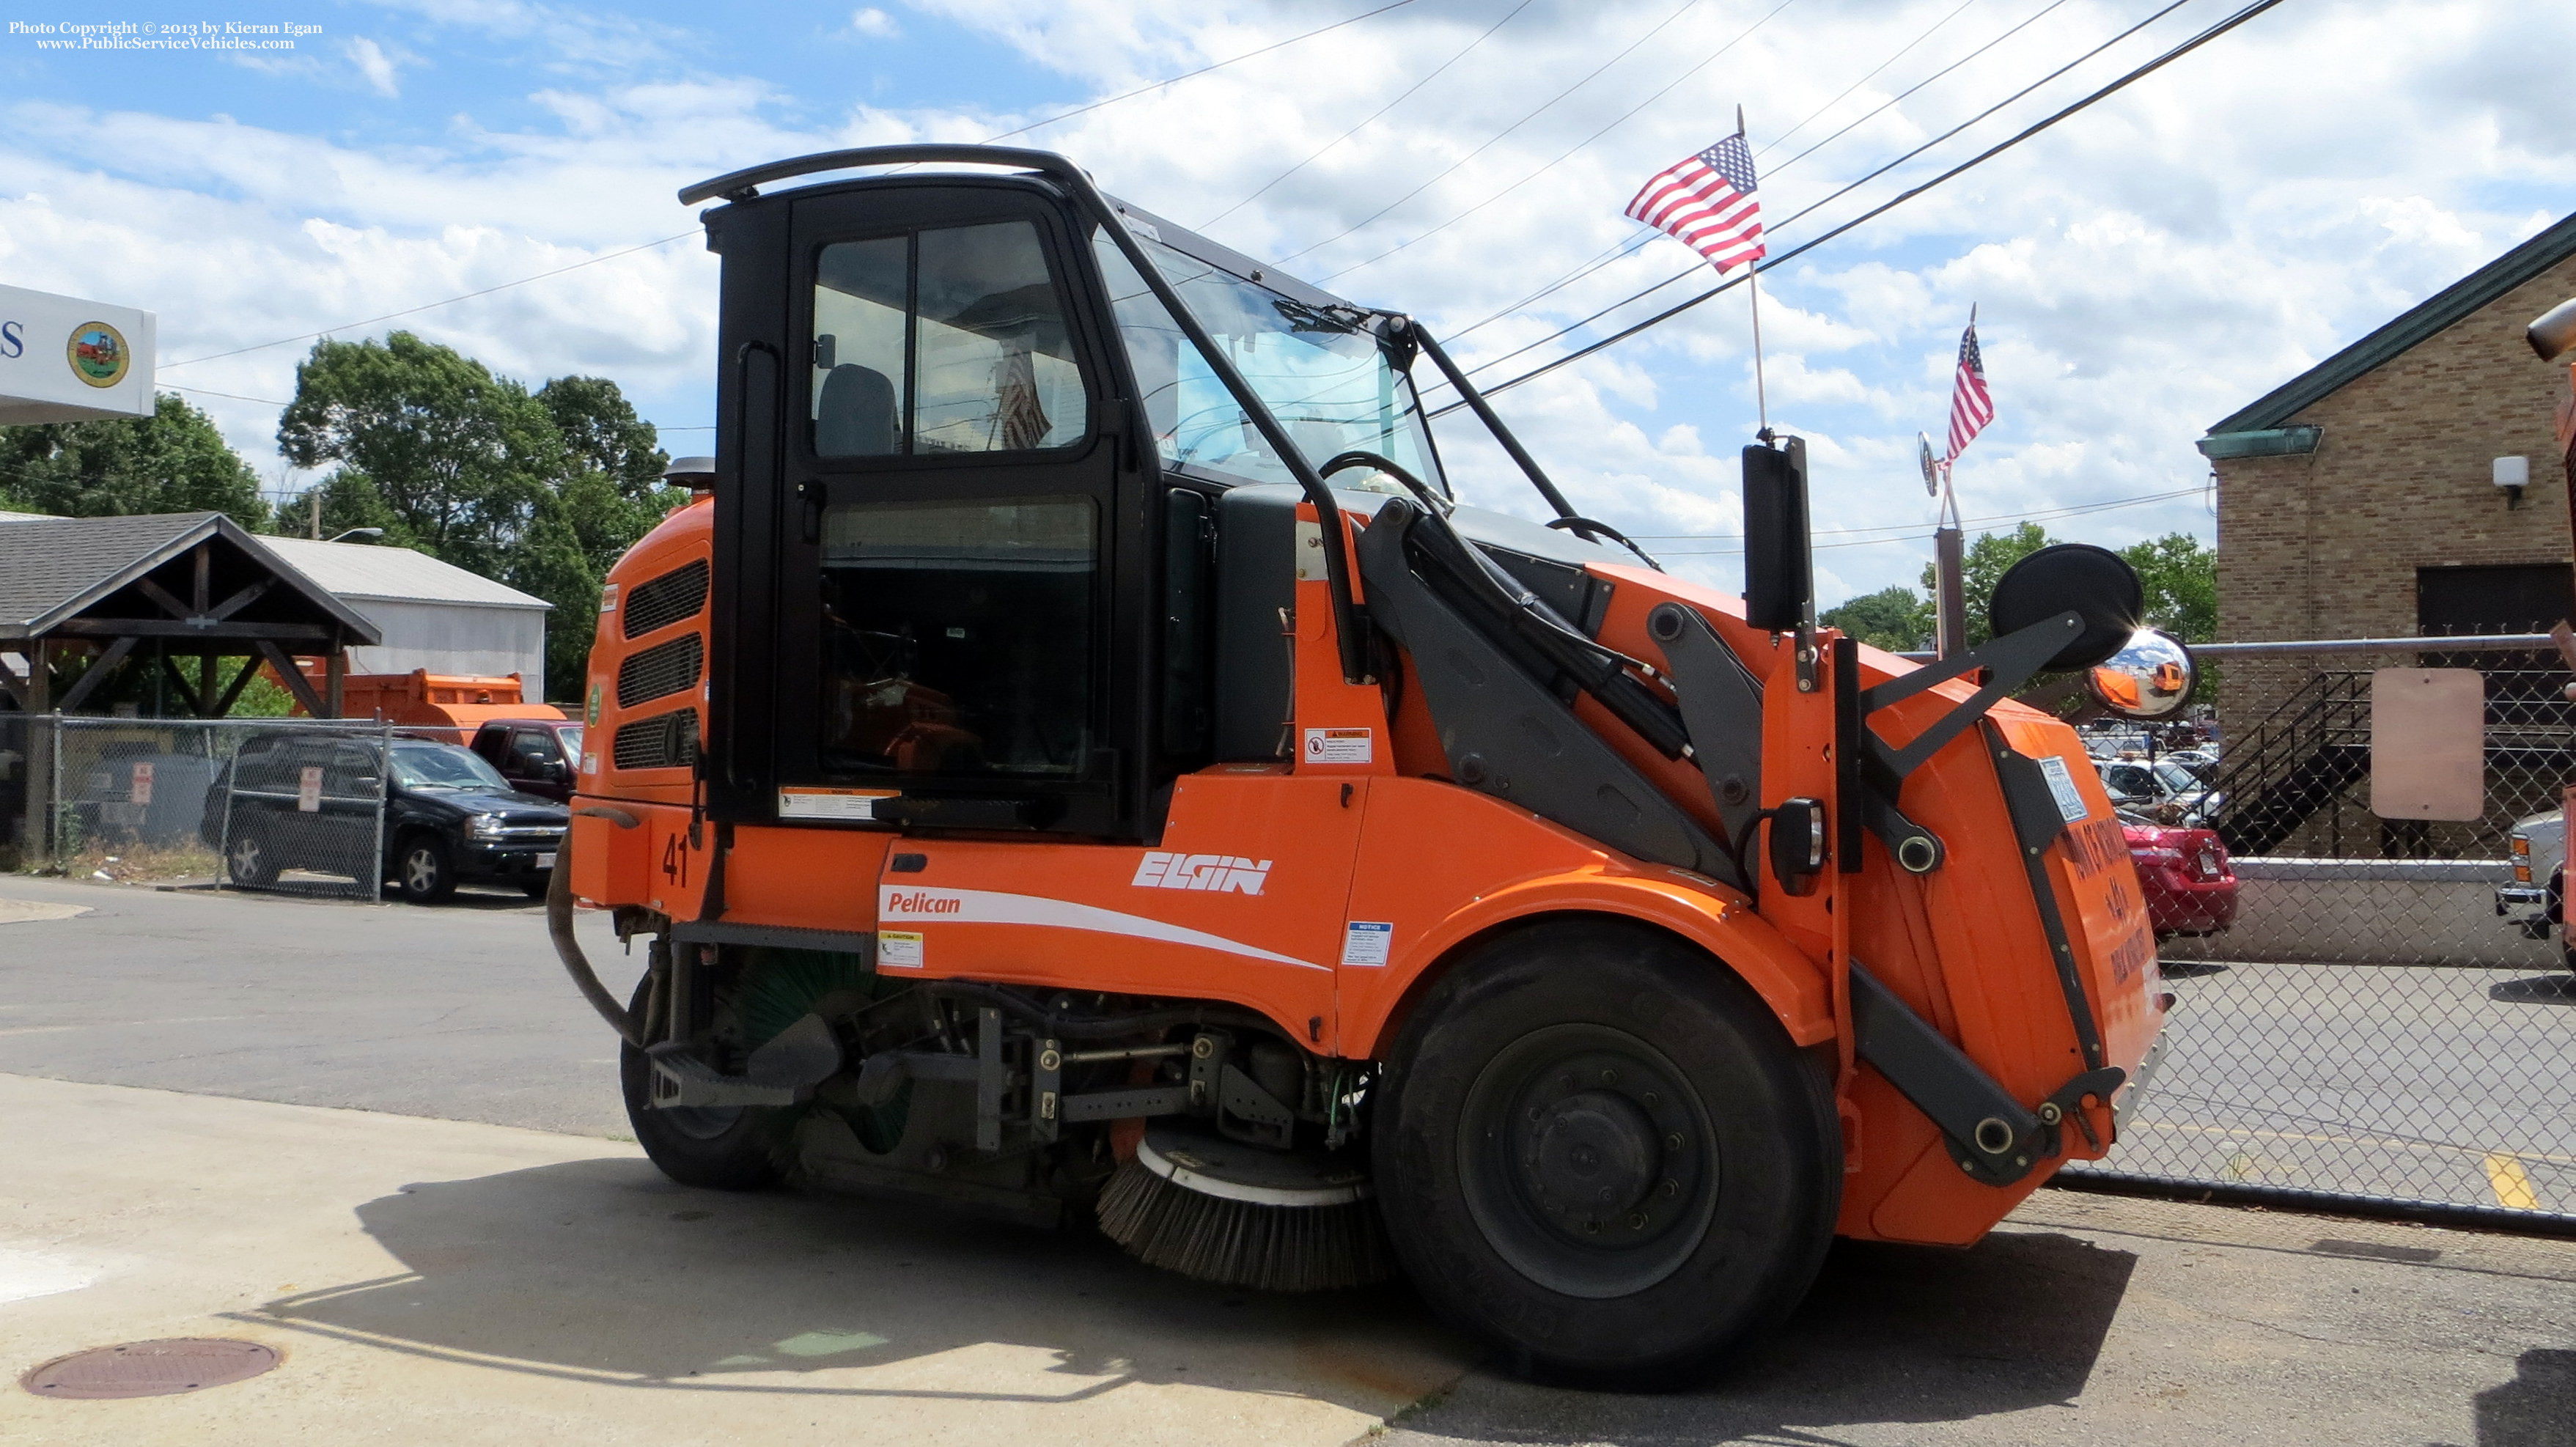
(296, 806)
(2368, 1009)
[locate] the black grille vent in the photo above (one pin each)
(664, 741)
(663, 601)
(661, 670)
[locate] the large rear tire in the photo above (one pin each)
(720, 1147)
(1596, 1148)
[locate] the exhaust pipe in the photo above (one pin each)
(568, 949)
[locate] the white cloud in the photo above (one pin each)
(875, 24)
(373, 66)
(2142, 270)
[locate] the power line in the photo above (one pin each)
(683, 236)
(1901, 96)
(1623, 249)
(1899, 532)
(1193, 75)
(2177, 52)
(1688, 272)
(427, 306)
(1372, 116)
(211, 392)
(1498, 136)
(1707, 61)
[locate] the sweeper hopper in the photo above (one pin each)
(1081, 761)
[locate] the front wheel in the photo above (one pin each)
(423, 870)
(1596, 1148)
(720, 1147)
(250, 861)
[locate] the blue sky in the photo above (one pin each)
(2140, 271)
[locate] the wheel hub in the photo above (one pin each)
(1587, 1160)
(1591, 1156)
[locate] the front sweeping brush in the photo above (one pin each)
(1196, 1203)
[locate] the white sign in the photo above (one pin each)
(2428, 743)
(308, 789)
(140, 792)
(1340, 746)
(63, 359)
(1367, 942)
(830, 803)
(2061, 787)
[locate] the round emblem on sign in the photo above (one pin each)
(98, 354)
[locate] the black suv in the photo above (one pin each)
(304, 801)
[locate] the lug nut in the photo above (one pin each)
(1673, 1142)
(1637, 1222)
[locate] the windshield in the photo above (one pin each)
(443, 766)
(1323, 373)
(2178, 776)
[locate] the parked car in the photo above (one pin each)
(2165, 791)
(301, 800)
(2531, 901)
(537, 755)
(2189, 882)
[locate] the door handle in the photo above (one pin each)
(809, 493)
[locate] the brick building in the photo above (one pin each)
(2360, 498)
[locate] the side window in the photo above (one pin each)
(534, 748)
(957, 636)
(491, 742)
(952, 340)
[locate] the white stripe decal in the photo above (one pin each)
(981, 906)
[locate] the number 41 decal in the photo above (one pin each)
(675, 861)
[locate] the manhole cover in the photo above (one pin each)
(150, 1368)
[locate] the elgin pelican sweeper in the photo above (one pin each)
(1079, 761)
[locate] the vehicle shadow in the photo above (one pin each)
(602, 1271)
(2535, 990)
(2189, 969)
(2537, 1408)
(1891, 1334)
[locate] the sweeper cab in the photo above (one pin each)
(1081, 761)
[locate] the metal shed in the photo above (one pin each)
(430, 614)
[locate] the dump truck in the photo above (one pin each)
(1081, 762)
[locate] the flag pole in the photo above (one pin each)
(1753, 293)
(1949, 562)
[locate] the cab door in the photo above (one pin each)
(951, 629)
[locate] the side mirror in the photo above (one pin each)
(1779, 569)
(2150, 677)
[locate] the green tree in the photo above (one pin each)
(611, 493)
(425, 443)
(171, 461)
(1895, 618)
(2181, 579)
(1987, 560)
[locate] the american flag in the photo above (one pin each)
(1971, 405)
(1707, 201)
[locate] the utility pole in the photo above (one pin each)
(313, 502)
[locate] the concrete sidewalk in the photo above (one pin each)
(447, 1282)
(453, 1282)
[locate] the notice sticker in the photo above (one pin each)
(842, 804)
(899, 949)
(308, 789)
(140, 790)
(1367, 942)
(2061, 787)
(1341, 746)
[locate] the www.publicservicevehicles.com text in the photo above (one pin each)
(179, 35)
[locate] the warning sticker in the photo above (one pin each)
(1341, 746)
(2061, 787)
(1367, 942)
(831, 803)
(308, 789)
(899, 949)
(140, 791)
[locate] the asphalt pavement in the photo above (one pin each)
(447, 1276)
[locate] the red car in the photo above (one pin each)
(2190, 888)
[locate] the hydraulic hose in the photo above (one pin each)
(568, 949)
